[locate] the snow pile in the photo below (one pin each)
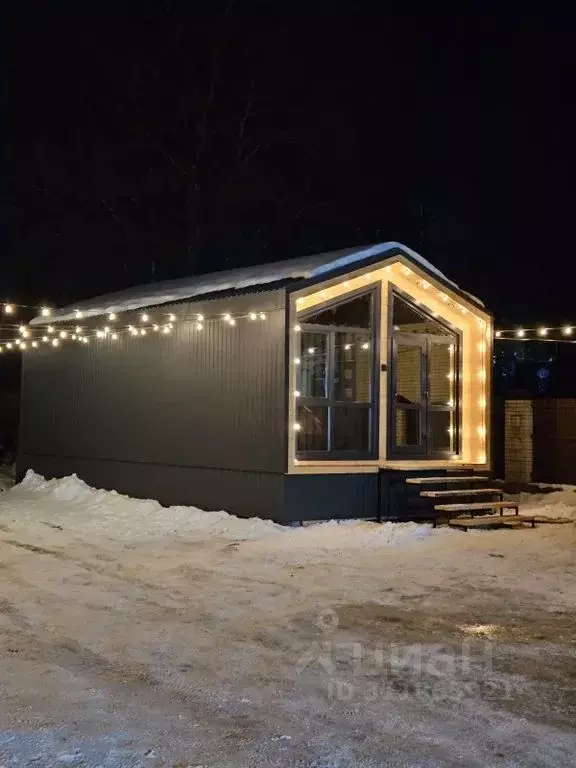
(70, 502)
(558, 505)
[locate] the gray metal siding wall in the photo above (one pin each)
(330, 496)
(211, 399)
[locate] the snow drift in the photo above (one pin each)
(73, 503)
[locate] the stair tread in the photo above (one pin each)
(476, 505)
(459, 492)
(438, 480)
(469, 522)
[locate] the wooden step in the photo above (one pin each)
(479, 505)
(491, 521)
(461, 492)
(441, 480)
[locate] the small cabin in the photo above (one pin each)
(299, 390)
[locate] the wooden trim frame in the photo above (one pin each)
(435, 297)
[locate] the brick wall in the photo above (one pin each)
(518, 440)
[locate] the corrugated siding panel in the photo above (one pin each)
(334, 496)
(211, 399)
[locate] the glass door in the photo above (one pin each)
(409, 395)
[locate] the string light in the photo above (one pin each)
(199, 327)
(498, 334)
(172, 318)
(297, 328)
(262, 316)
(227, 318)
(253, 316)
(34, 344)
(520, 333)
(107, 329)
(22, 345)
(142, 331)
(232, 321)
(200, 318)
(22, 328)
(74, 337)
(45, 339)
(543, 332)
(144, 317)
(78, 314)
(100, 334)
(365, 345)
(50, 329)
(55, 342)
(133, 331)
(9, 345)
(296, 393)
(297, 361)
(112, 316)
(166, 329)
(9, 309)
(155, 327)
(78, 329)
(567, 331)
(114, 336)
(63, 334)
(85, 340)
(297, 426)
(45, 312)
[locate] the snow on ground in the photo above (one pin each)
(134, 635)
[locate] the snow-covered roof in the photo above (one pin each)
(168, 291)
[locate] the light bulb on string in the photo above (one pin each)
(133, 332)
(567, 330)
(142, 331)
(34, 344)
(114, 336)
(520, 333)
(166, 329)
(73, 337)
(200, 318)
(23, 345)
(144, 317)
(199, 327)
(172, 318)
(50, 329)
(543, 332)
(253, 316)
(297, 426)
(155, 327)
(9, 345)
(63, 334)
(227, 318)
(112, 316)
(45, 339)
(262, 315)
(22, 329)
(78, 329)
(45, 312)
(55, 342)
(232, 321)
(107, 329)
(78, 314)
(498, 334)
(297, 328)
(99, 334)
(9, 309)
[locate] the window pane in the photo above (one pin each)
(313, 433)
(441, 374)
(314, 365)
(440, 431)
(408, 374)
(407, 319)
(355, 313)
(353, 367)
(350, 428)
(407, 427)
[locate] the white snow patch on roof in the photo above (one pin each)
(168, 291)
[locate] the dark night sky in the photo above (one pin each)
(158, 142)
